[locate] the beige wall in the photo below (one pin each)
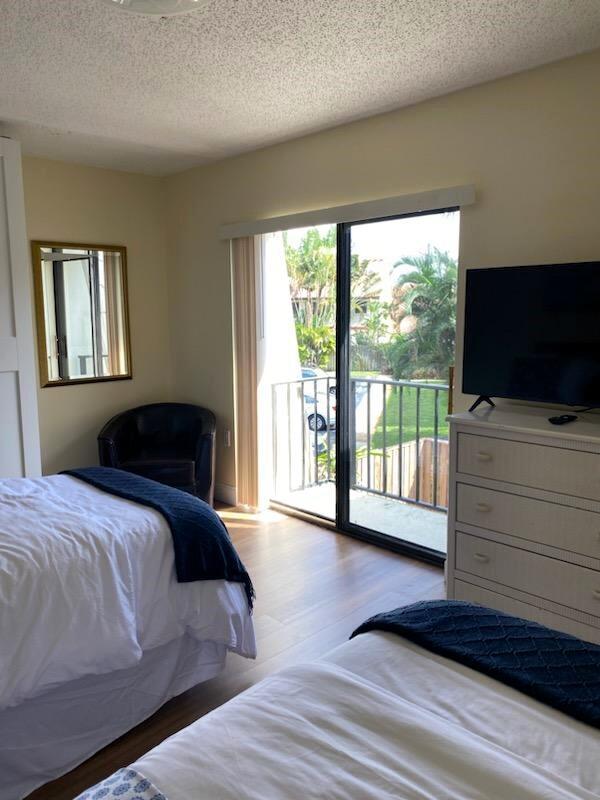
(71, 203)
(529, 143)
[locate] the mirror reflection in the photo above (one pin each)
(81, 298)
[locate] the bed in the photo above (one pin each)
(378, 718)
(96, 632)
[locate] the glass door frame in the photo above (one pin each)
(345, 410)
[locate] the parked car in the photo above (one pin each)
(316, 372)
(316, 412)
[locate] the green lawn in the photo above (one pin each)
(409, 416)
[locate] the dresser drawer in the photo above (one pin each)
(486, 597)
(541, 576)
(556, 525)
(571, 472)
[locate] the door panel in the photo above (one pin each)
(19, 432)
(396, 331)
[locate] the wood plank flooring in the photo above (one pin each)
(313, 588)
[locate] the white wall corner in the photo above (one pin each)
(225, 493)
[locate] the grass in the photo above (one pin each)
(409, 416)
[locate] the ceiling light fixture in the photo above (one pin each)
(161, 8)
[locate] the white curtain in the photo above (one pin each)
(244, 260)
(266, 353)
(115, 328)
(278, 363)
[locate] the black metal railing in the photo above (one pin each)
(398, 429)
(404, 451)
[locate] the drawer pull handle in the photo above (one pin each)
(483, 507)
(484, 457)
(483, 559)
(597, 594)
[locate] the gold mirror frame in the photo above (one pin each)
(43, 354)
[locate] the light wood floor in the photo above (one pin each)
(313, 588)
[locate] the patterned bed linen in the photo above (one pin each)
(125, 784)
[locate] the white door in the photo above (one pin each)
(19, 432)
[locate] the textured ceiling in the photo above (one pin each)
(82, 81)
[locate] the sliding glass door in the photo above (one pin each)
(362, 321)
(396, 331)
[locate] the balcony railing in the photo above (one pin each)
(398, 431)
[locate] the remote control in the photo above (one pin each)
(562, 419)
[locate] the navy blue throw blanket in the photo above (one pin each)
(560, 670)
(203, 549)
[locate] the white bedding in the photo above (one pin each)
(46, 736)
(379, 718)
(87, 584)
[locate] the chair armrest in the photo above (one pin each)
(110, 438)
(205, 465)
(107, 452)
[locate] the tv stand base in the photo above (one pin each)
(482, 399)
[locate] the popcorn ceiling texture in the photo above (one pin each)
(85, 82)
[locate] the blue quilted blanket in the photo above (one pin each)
(203, 549)
(560, 670)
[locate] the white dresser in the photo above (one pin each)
(524, 516)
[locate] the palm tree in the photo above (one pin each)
(312, 268)
(312, 271)
(428, 293)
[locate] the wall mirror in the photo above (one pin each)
(81, 311)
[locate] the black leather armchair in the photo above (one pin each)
(173, 443)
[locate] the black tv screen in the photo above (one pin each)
(533, 333)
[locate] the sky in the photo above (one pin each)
(395, 238)
(388, 241)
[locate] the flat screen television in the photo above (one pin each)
(533, 333)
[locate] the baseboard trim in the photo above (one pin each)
(225, 493)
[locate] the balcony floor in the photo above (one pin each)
(407, 521)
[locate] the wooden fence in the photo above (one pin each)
(371, 476)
